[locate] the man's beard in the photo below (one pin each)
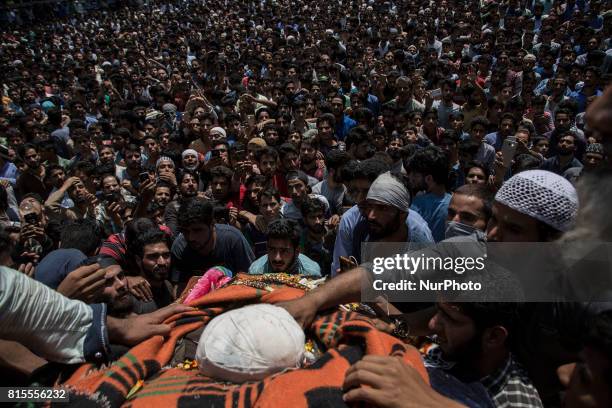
(307, 160)
(468, 353)
(317, 229)
(394, 153)
(121, 307)
(385, 230)
(189, 193)
(158, 273)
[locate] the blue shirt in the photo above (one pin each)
(581, 99)
(418, 231)
(305, 266)
(9, 172)
(495, 140)
(434, 210)
(344, 127)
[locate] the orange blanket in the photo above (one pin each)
(141, 372)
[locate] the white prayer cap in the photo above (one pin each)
(542, 195)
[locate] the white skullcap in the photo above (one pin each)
(218, 130)
(189, 151)
(389, 190)
(542, 195)
(250, 343)
(163, 159)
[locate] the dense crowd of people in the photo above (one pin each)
(140, 147)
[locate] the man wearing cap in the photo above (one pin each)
(533, 206)
(593, 160)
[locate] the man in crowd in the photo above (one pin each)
(360, 179)
(82, 98)
(333, 188)
(283, 253)
(203, 244)
(428, 175)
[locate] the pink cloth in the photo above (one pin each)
(210, 281)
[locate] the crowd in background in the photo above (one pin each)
(140, 147)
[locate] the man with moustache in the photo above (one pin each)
(187, 189)
(317, 240)
(283, 253)
(203, 244)
(564, 159)
(151, 251)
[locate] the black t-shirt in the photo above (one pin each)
(231, 250)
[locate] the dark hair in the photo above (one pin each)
(599, 337)
(84, 235)
(508, 115)
(356, 136)
(132, 148)
(221, 171)
(287, 148)
(86, 167)
(26, 146)
(297, 174)
(46, 145)
(538, 139)
(284, 228)
(171, 187)
(481, 191)
(148, 236)
(563, 111)
(469, 146)
(186, 172)
(489, 314)
(35, 196)
(336, 159)
(479, 120)
(432, 161)
(266, 151)
(370, 169)
(50, 168)
(270, 193)
(256, 178)
(312, 205)
(134, 229)
(195, 211)
(524, 162)
(327, 117)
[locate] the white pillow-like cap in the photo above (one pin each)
(250, 343)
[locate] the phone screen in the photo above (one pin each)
(508, 150)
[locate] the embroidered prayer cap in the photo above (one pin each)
(542, 195)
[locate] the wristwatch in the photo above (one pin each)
(402, 330)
